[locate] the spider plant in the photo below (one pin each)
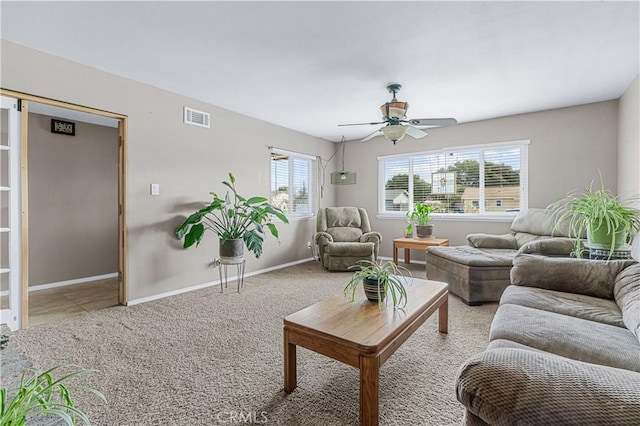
(39, 392)
(607, 220)
(390, 277)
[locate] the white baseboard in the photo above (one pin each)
(212, 283)
(85, 280)
(72, 282)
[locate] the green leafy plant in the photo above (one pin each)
(40, 393)
(232, 217)
(391, 279)
(597, 212)
(420, 216)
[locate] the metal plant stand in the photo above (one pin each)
(223, 263)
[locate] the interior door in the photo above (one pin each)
(10, 249)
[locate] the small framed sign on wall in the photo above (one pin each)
(63, 127)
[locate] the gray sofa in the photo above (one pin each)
(479, 272)
(564, 346)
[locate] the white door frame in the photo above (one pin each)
(12, 316)
(123, 246)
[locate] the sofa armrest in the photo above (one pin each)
(553, 246)
(516, 386)
(371, 237)
(589, 277)
(504, 241)
(323, 238)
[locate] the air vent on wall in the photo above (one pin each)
(197, 118)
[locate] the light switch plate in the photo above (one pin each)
(155, 189)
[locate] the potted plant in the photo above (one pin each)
(40, 392)
(420, 217)
(607, 220)
(235, 219)
(378, 280)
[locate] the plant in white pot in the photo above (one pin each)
(607, 220)
(420, 217)
(235, 219)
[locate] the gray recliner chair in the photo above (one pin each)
(344, 237)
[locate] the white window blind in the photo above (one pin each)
(396, 189)
(480, 180)
(293, 183)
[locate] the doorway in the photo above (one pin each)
(82, 280)
(73, 212)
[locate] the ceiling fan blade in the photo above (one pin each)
(371, 136)
(434, 122)
(361, 124)
(415, 133)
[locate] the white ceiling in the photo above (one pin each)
(310, 66)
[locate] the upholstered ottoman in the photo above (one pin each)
(474, 275)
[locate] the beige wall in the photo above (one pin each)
(568, 147)
(629, 141)
(73, 202)
(187, 161)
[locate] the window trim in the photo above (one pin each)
(523, 144)
(313, 186)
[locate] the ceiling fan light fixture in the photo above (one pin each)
(394, 132)
(394, 110)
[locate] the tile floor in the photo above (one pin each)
(62, 302)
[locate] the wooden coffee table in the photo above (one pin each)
(414, 243)
(361, 334)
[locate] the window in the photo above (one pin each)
(293, 183)
(480, 180)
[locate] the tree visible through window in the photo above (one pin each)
(476, 181)
(293, 183)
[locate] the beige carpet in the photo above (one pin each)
(206, 358)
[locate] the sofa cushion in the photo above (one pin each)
(472, 256)
(523, 387)
(534, 221)
(345, 234)
(589, 308)
(570, 337)
(523, 238)
(557, 246)
(540, 222)
(626, 292)
(505, 241)
(343, 217)
(582, 276)
(502, 343)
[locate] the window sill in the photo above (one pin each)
(300, 217)
(507, 217)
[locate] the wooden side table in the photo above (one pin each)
(416, 244)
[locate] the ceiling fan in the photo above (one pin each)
(394, 116)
